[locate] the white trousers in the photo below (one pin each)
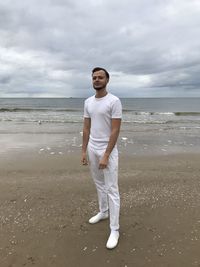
(106, 181)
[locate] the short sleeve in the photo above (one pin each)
(116, 109)
(86, 113)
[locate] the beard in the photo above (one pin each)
(99, 87)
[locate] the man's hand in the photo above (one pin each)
(84, 160)
(104, 162)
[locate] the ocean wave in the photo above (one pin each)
(187, 113)
(38, 110)
(145, 122)
(159, 121)
(147, 113)
(27, 120)
(79, 119)
(77, 110)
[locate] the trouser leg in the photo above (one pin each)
(98, 177)
(111, 182)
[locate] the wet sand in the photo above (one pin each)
(47, 199)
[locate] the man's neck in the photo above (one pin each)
(101, 93)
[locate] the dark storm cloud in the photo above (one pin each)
(48, 48)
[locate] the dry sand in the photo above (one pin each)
(46, 201)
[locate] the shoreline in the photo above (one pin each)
(129, 143)
(47, 199)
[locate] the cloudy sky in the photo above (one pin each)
(150, 47)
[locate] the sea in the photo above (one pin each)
(149, 125)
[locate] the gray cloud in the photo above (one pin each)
(48, 48)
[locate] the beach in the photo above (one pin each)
(47, 196)
(47, 199)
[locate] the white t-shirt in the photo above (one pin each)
(101, 111)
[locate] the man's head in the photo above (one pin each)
(100, 78)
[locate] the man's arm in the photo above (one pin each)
(115, 128)
(86, 135)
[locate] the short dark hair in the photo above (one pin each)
(98, 69)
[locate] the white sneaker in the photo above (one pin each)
(113, 239)
(100, 216)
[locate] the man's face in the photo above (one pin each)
(99, 80)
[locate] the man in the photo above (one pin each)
(102, 120)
